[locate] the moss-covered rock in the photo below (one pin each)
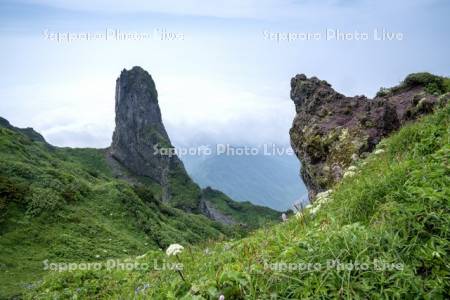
(330, 131)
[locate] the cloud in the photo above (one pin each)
(78, 113)
(246, 9)
(224, 9)
(224, 112)
(222, 83)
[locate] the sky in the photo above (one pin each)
(222, 68)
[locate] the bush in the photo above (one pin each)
(72, 192)
(10, 190)
(433, 84)
(447, 85)
(383, 92)
(146, 194)
(42, 200)
(423, 79)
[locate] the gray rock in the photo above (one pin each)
(139, 128)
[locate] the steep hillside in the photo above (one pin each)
(244, 213)
(382, 233)
(65, 204)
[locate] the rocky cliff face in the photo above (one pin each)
(139, 128)
(330, 130)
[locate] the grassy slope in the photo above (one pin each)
(63, 204)
(253, 216)
(396, 209)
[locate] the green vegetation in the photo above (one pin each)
(394, 212)
(252, 216)
(184, 193)
(447, 84)
(157, 138)
(434, 85)
(64, 204)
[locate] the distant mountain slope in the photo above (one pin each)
(244, 213)
(271, 181)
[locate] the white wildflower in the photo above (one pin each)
(324, 194)
(349, 174)
(323, 197)
(227, 246)
(284, 217)
(352, 227)
(379, 151)
(314, 210)
(352, 168)
(174, 249)
(221, 297)
(141, 256)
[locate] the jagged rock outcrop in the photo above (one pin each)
(331, 130)
(214, 214)
(139, 128)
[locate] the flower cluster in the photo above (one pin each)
(351, 171)
(174, 249)
(321, 199)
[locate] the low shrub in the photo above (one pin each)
(42, 200)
